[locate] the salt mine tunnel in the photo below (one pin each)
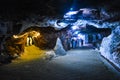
(44, 39)
(54, 39)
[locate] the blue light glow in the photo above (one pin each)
(75, 27)
(71, 9)
(81, 36)
(71, 12)
(76, 32)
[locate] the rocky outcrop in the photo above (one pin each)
(58, 49)
(110, 47)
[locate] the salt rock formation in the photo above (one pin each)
(110, 47)
(59, 50)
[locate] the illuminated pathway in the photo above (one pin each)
(76, 65)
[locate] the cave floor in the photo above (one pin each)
(83, 64)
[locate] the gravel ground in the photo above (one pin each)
(84, 64)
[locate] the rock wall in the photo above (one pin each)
(58, 49)
(42, 37)
(110, 47)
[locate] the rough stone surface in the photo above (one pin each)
(110, 47)
(59, 50)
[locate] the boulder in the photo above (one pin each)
(59, 50)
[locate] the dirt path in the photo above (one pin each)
(76, 65)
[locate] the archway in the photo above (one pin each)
(40, 37)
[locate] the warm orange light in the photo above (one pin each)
(31, 53)
(15, 36)
(32, 33)
(37, 34)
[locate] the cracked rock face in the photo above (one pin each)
(110, 47)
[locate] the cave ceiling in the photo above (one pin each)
(42, 6)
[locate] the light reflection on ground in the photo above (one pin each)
(31, 53)
(83, 64)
